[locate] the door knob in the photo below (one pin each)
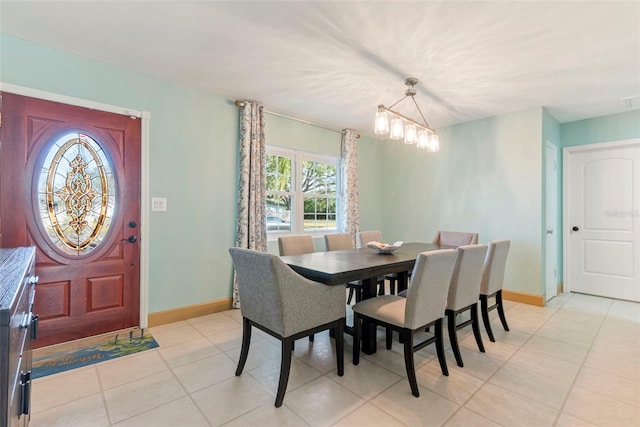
(132, 239)
(132, 224)
(574, 228)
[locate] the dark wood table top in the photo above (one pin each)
(340, 267)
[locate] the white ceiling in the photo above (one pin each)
(332, 63)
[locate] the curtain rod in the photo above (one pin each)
(273, 113)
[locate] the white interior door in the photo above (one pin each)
(602, 224)
(551, 216)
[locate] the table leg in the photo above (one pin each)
(403, 280)
(369, 329)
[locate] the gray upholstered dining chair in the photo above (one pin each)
(455, 238)
(423, 307)
(492, 282)
(295, 245)
(463, 295)
(287, 306)
(339, 241)
(365, 237)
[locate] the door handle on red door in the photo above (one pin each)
(575, 228)
(131, 239)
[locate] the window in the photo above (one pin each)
(76, 194)
(303, 192)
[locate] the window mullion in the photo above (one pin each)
(299, 199)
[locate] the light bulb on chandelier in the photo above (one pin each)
(397, 129)
(402, 126)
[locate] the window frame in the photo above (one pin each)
(297, 212)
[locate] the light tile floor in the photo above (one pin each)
(572, 363)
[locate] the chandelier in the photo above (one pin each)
(401, 126)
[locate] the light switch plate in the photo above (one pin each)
(158, 204)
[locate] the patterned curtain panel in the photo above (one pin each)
(351, 204)
(251, 232)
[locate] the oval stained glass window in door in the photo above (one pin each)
(76, 194)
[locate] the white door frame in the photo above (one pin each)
(144, 173)
(566, 154)
(551, 230)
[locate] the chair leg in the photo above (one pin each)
(358, 294)
(392, 286)
(407, 335)
(381, 288)
(501, 310)
(285, 367)
(340, 346)
(357, 333)
(453, 336)
(484, 308)
(389, 338)
(246, 341)
(475, 324)
(440, 348)
(311, 337)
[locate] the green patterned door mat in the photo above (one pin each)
(87, 351)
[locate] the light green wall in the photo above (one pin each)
(486, 178)
(372, 174)
(284, 132)
(616, 127)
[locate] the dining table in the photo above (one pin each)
(335, 268)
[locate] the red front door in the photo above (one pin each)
(70, 185)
